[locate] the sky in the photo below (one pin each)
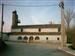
(31, 12)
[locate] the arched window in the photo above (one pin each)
(31, 38)
(46, 38)
(25, 38)
(19, 38)
(37, 38)
(57, 38)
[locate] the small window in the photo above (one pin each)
(46, 38)
(21, 30)
(19, 38)
(58, 29)
(37, 38)
(58, 38)
(39, 30)
(25, 38)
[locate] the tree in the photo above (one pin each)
(69, 15)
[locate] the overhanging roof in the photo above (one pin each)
(35, 33)
(39, 26)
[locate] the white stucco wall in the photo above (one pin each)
(42, 30)
(16, 30)
(30, 30)
(5, 36)
(42, 37)
(49, 30)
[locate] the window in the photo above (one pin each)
(21, 30)
(58, 29)
(57, 38)
(19, 38)
(46, 38)
(37, 38)
(25, 38)
(39, 30)
(31, 38)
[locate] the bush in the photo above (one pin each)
(69, 37)
(71, 47)
(2, 44)
(73, 37)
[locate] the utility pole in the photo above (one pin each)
(63, 34)
(2, 23)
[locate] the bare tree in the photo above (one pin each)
(69, 15)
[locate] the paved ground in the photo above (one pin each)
(22, 49)
(68, 50)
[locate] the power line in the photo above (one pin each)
(36, 0)
(32, 0)
(33, 5)
(30, 5)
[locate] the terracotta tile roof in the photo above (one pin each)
(39, 26)
(35, 33)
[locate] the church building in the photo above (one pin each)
(43, 33)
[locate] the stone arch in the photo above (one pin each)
(31, 38)
(25, 38)
(19, 38)
(37, 38)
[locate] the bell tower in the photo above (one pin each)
(14, 19)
